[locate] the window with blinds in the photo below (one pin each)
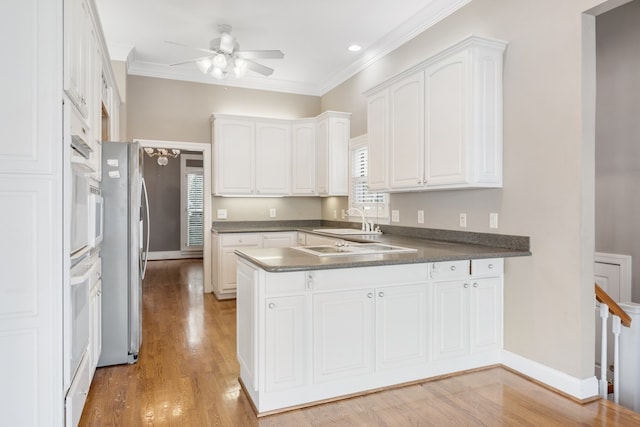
(373, 204)
(195, 210)
(192, 199)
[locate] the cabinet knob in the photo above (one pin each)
(466, 285)
(380, 294)
(370, 295)
(475, 285)
(272, 305)
(453, 268)
(490, 266)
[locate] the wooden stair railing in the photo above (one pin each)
(614, 308)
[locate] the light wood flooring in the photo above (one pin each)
(187, 374)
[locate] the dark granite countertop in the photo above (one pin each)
(431, 244)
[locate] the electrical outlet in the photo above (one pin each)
(272, 213)
(463, 219)
(395, 216)
(335, 214)
(343, 214)
(420, 217)
(222, 214)
(493, 220)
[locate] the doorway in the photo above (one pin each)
(205, 151)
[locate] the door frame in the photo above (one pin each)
(624, 263)
(206, 163)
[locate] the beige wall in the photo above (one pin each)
(170, 110)
(548, 170)
(618, 135)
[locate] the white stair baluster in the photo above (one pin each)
(604, 386)
(616, 327)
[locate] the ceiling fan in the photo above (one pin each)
(224, 57)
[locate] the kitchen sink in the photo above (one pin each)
(353, 249)
(346, 231)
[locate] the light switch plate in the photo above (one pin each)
(493, 220)
(421, 217)
(222, 214)
(395, 216)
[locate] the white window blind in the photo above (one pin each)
(195, 209)
(373, 204)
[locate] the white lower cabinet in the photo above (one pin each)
(285, 350)
(284, 239)
(305, 337)
(342, 334)
(468, 311)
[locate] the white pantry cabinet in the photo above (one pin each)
(442, 121)
(305, 337)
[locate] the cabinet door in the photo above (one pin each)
(96, 326)
(486, 314)
(401, 326)
(322, 156)
(303, 162)
(339, 135)
(451, 319)
(272, 160)
(377, 111)
(342, 334)
(446, 121)
(229, 266)
(285, 342)
(280, 240)
(77, 24)
(406, 133)
(234, 156)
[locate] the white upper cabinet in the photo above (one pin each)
(303, 159)
(273, 154)
(441, 124)
(234, 156)
(255, 156)
(77, 51)
(332, 151)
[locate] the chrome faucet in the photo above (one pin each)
(365, 225)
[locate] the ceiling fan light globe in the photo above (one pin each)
(240, 68)
(217, 73)
(220, 61)
(227, 42)
(204, 65)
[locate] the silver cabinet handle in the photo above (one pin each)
(272, 305)
(490, 266)
(453, 268)
(466, 285)
(475, 285)
(380, 294)
(370, 295)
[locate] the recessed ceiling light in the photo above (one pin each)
(355, 48)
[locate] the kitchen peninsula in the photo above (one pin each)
(315, 328)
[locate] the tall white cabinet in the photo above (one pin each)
(438, 125)
(51, 100)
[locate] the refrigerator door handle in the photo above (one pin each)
(145, 252)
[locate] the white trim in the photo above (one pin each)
(206, 154)
(164, 255)
(576, 387)
(624, 262)
(184, 171)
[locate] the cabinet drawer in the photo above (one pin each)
(244, 239)
(285, 283)
(368, 277)
(487, 267)
(450, 269)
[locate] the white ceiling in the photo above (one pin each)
(314, 36)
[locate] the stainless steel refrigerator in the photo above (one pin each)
(126, 219)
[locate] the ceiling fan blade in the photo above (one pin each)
(259, 68)
(191, 60)
(191, 47)
(259, 54)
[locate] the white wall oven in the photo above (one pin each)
(76, 334)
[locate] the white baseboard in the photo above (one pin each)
(581, 389)
(162, 255)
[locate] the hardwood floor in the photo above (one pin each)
(187, 374)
